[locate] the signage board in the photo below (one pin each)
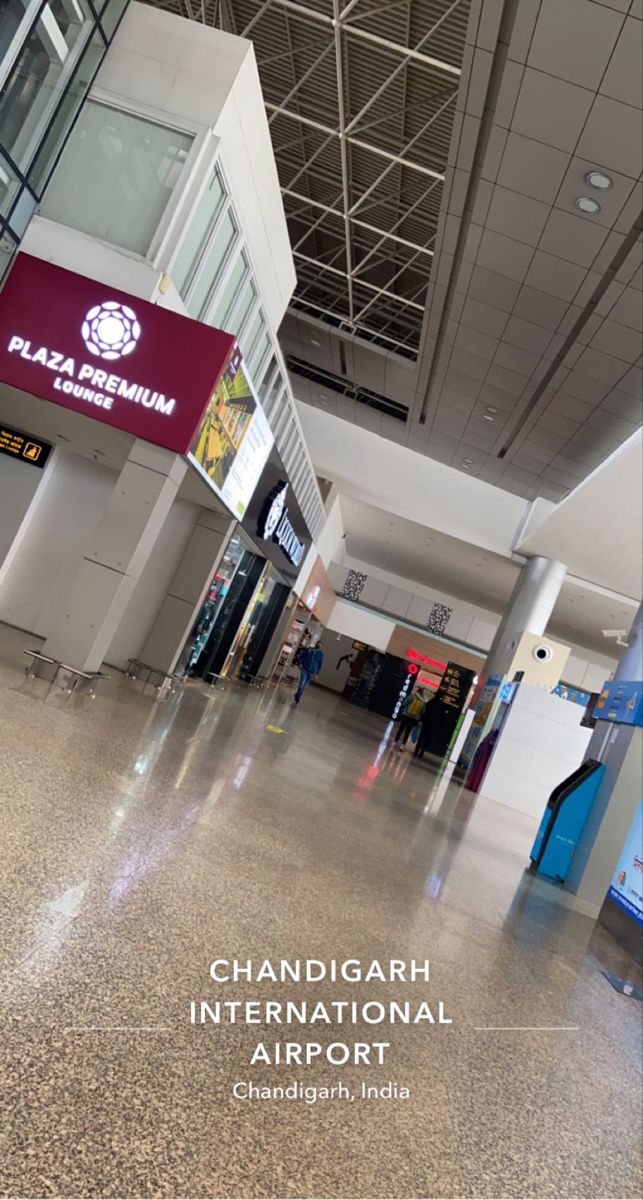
(455, 686)
(274, 520)
(626, 888)
(234, 439)
(484, 711)
(621, 700)
(28, 449)
(425, 659)
(96, 350)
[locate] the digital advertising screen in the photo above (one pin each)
(233, 443)
(626, 888)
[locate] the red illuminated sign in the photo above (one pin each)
(415, 656)
(108, 355)
(428, 682)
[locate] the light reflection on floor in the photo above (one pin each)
(141, 840)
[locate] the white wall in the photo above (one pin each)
(362, 625)
(331, 539)
(411, 601)
(55, 539)
(18, 485)
(541, 743)
(587, 670)
(53, 542)
(152, 586)
(392, 477)
(473, 626)
(598, 529)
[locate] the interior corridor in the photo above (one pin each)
(142, 841)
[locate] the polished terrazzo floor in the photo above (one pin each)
(141, 841)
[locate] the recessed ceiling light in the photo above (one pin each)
(491, 409)
(315, 342)
(598, 179)
(587, 205)
(488, 417)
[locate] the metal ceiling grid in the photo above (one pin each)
(360, 96)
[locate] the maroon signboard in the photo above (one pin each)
(106, 354)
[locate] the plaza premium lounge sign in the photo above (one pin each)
(108, 355)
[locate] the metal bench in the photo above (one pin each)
(75, 679)
(162, 682)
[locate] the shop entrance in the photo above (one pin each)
(236, 621)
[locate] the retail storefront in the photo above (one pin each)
(309, 616)
(250, 591)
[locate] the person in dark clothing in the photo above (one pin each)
(426, 729)
(310, 662)
(410, 716)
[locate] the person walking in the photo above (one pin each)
(310, 662)
(410, 716)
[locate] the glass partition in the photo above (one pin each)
(198, 233)
(116, 176)
(49, 55)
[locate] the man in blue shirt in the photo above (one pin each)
(310, 662)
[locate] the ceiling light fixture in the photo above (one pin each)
(587, 205)
(314, 342)
(598, 179)
(488, 417)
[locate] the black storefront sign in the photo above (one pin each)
(443, 712)
(275, 521)
(23, 446)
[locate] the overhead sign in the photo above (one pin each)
(621, 700)
(234, 440)
(28, 449)
(113, 357)
(273, 524)
(425, 659)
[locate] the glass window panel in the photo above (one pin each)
(197, 234)
(212, 265)
(241, 311)
(259, 354)
(250, 335)
(263, 381)
(111, 15)
(221, 316)
(9, 185)
(115, 176)
(40, 75)
(71, 102)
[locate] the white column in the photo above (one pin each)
(187, 590)
(530, 606)
(82, 629)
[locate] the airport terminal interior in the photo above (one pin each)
(321, 579)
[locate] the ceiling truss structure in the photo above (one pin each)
(360, 96)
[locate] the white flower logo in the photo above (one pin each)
(110, 330)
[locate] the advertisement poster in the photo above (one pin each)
(626, 888)
(234, 441)
(484, 712)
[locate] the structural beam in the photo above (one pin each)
(382, 233)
